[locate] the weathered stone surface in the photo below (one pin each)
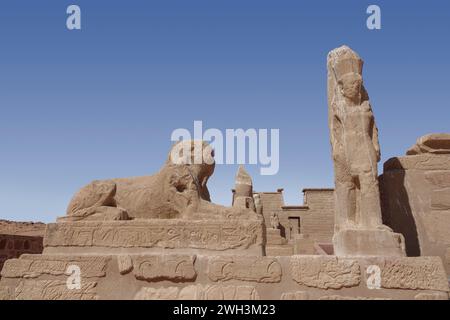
(32, 266)
(368, 242)
(179, 190)
(325, 272)
(124, 263)
(436, 143)
(218, 292)
(164, 267)
(356, 152)
(54, 290)
(157, 233)
(431, 296)
(426, 273)
(5, 293)
(147, 293)
(425, 161)
(257, 269)
(297, 295)
(199, 292)
(243, 192)
(416, 191)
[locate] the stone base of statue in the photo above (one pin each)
(360, 242)
(230, 236)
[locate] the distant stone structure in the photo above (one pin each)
(17, 238)
(160, 237)
(303, 229)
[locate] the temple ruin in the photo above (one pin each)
(160, 237)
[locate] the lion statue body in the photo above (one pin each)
(178, 190)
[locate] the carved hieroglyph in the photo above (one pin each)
(164, 267)
(258, 269)
(54, 290)
(426, 273)
(356, 152)
(178, 190)
(325, 272)
(157, 233)
(33, 266)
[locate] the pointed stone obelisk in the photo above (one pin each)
(243, 196)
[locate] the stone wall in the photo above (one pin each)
(303, 226)
(12, 246)
(416, 202)
(218, 277)
(17, 238)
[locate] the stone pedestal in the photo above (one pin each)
(202, 277)
(356, 242)
(273, 236)
(231, 236)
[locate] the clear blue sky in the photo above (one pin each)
(102, 102)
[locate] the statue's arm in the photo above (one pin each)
(336, 134)
(376, 143)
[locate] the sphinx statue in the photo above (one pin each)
(179, 190)
(356, 152)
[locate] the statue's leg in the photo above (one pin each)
(345, 201)
(95, 202)
(370, 200)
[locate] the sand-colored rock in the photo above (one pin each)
(158, 233)
(171, 267)
(6, 293)
(425, 273)
(243, 196)
(416, 202)
(124, 263)
(178, 190)
(255, 269)
(436, 143)
(297, 295)
(148, 293)
(432, 296)
(35, 229)
(33, 266)
(325, 272)
(54, 290)
(356, 152)
(218, 292)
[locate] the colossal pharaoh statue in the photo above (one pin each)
(356, 152)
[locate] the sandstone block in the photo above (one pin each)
(325, 272)
(297, 295)
(147, 293)
(33, 266)
(54, 290)
(158, 233)
(164, 267)
(257, 269)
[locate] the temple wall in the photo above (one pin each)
(415, 193)
(12, 246)
(218, 277)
